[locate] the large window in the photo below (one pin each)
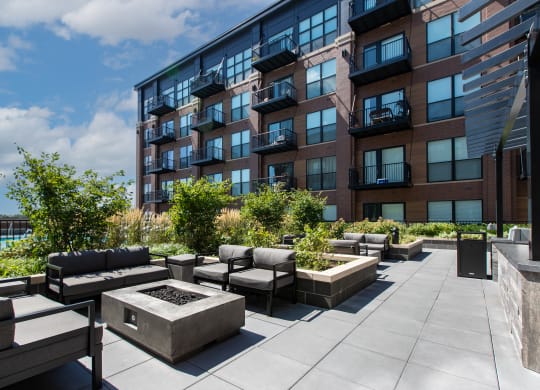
(240, 182)
(214, 148)
(329, 212)
(183, 92)
(321, 173)
(185, 125)
(384, 51)
(445, 98)
(319, 30)
(147, 135)
(321, 126)
(448, 160)
(240, 107)
(382, 108)
(167, 159)
(185, 156)
(167, 187)
(455, 211)
(443, 36)
(147, 163)
(147, 190)
(321, 79)
(384, 164)
(393, 211)
(167, 129)
(215, 177)
(240, 144)
(239, 67)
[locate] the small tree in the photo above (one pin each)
(305, 208)
(66, 211)
(267, 207)
(195, 206)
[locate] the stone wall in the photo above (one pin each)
(405, 251)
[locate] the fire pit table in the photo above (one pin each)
(173, 318)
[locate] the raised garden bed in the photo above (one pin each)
(405, 251)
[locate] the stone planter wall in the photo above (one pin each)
(405, 251)
(329, 288)
(440, 243)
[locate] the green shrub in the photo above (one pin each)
(310, 249)
(266, 206)
(258, 236)
(10, 267)
(337, 228)
(169, 249)
(231, 227)
(305, 208)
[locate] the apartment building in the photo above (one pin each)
(361, 101)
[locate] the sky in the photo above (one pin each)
(67, 70)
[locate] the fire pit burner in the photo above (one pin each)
(173, 295)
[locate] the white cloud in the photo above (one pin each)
(9, 52)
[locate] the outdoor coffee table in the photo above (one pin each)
(173, 331)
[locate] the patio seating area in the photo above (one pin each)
(418, 326)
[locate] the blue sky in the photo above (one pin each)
(67, 70)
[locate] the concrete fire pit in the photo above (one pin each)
(170, 330)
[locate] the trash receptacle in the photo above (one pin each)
(471, 256)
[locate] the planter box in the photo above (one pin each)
(329, 288)
(405, 251)
(440, 243)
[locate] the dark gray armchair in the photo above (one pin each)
(232, 258)
(273, 269)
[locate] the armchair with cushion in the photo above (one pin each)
(272, 270)
(232, 258)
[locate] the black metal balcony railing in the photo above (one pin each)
(285, 183)
(274, 141)
(383, 119)
(365, 15)
(160, 105)
(160, 166)
(381, 62)
(185, 162)
(207, 120)
(380, 176)
(162, 135)
(207, 84)
(12, 230)
(274, 97)
(207, 156)
(160, 196)
(274, 54)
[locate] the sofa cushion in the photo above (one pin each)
(215, 271)
(376, 238)
(260, 279)
(74, 263)
(91, 284)
(343, 243)
(227, 252)
(143, 274)
(267, 257)
(16, 287)
(182, 260)
(7, 331)
(127, 257)
(379, 247)
(359, 237)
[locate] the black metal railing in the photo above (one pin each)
(284, 182)
(185, 162)
(207, 154)
(156, 102)
(13, 229)
(278, 90)
(380, 115)
(380, 175)
(203, 82)
(384, 53)
(164, 131)
(359, 7)
(275, 137)
(211, 117)
(157, 196)
(159, 165)
(274, 46)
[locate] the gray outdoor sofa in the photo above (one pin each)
(38, 334)
(74, 275)
(360, 243)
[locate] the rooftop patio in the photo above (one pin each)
(417, 327)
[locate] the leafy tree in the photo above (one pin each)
(195, 206)
(305, 208)
(66, 211)
(267, 207)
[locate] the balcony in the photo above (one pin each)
(276, 141)
(365, 15)
(161, 105)
(387, 60)
(274, 54)
(285, 183)
(160, 166)
(207, 120)
(274, 97)
(207, 85)
(161, 196)
(162, 135)
(384, 119)
(380, 176)
(207, 156)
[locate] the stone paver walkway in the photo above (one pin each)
(418, 327)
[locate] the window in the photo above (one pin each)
(147, 135)
(169, 92)
(240, 144)
(147, 189)
(321, 126)
(167, 159)
(384, 164)
(319, 30)
(240, 107)
(214, 148)
(445, 98)
(283, 171)
(185, 125)
(167, 187)
(384, 51)
(329, 212)
(167, 129)
(215, 112)
(382, 108)
(185, 180)
(146, 105)
(239, 67)
(321, 79)
(455, 211)
(321, 173)
(240, 182)
(147, 163)
(215, 177)
(281, 128)
(448, 160)
(393, 211)
(185, 156)
(183, 92)
(443, 36)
